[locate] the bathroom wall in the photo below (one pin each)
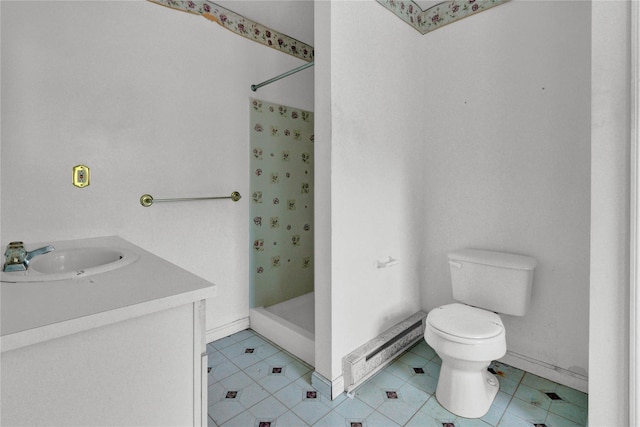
(507, 165)
(154, 101)
(610, 389)
(373, 194)
(475, 135)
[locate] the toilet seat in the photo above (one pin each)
(466, 322)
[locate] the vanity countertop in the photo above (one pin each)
(33, 312)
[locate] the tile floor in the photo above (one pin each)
(254, 383)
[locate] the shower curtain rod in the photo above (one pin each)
(281, 76)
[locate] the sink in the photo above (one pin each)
(63, 264)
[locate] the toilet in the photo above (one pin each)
(469, 334)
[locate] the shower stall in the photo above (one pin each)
(281, 226)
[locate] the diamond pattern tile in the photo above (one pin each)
(254, 383)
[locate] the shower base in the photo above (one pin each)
(289, 324)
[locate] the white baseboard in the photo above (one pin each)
(548, 371)
(327, 388)
(227, 329)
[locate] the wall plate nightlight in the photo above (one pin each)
(81, 176)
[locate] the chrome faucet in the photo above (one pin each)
(17, 257)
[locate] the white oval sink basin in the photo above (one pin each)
(62, 264)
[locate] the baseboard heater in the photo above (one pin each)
(361, 364)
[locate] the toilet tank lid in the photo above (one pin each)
(495, 259)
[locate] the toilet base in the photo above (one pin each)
(466, 393)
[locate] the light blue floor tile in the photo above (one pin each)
(569, 411)
(333, 404)
(507, 386)
(222, 343)
(501, 400)
(295, 370)
(236, 381)
(376, 419)
(354, 409)
(554, 420)
(245, 354)
(397, 410)
(386, 380)
(428, 381)
(470, 422)
(400, 370)
(423, 349)
(574, 396)
(279, 358)
(215, 393)
(497, 409)
(263, 374)
(422, 419)
(436, 411)
(222, 371)
(290, 395)
(266, 349)
(243, 335)
(269, 408)
(296, 393)
(509, 420)
(304, 382)
(245, 419)
(532, 396)
(525, 411)
(311, 410)
(413, 359)
(265, 395)
(507, 372)
(332, 419)
(289, 419)
(215, 358)
(539, 383)
(508, 377)
(225, 409)
(413, 396)
(251, 394)
(371, 394)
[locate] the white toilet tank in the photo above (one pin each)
(495, 281)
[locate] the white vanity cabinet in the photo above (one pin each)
(122, 348)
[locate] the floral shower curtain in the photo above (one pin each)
(281, 210)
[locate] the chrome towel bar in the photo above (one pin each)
(147, 200)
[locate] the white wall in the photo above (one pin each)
(609, 292)
(154, 101)
(507, 163)
(324, 324)
(375, 172)
(477, 134)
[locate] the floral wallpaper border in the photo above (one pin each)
(243, 26)
(439, 15)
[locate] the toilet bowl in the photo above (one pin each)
(467, 339)
(469, 335)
